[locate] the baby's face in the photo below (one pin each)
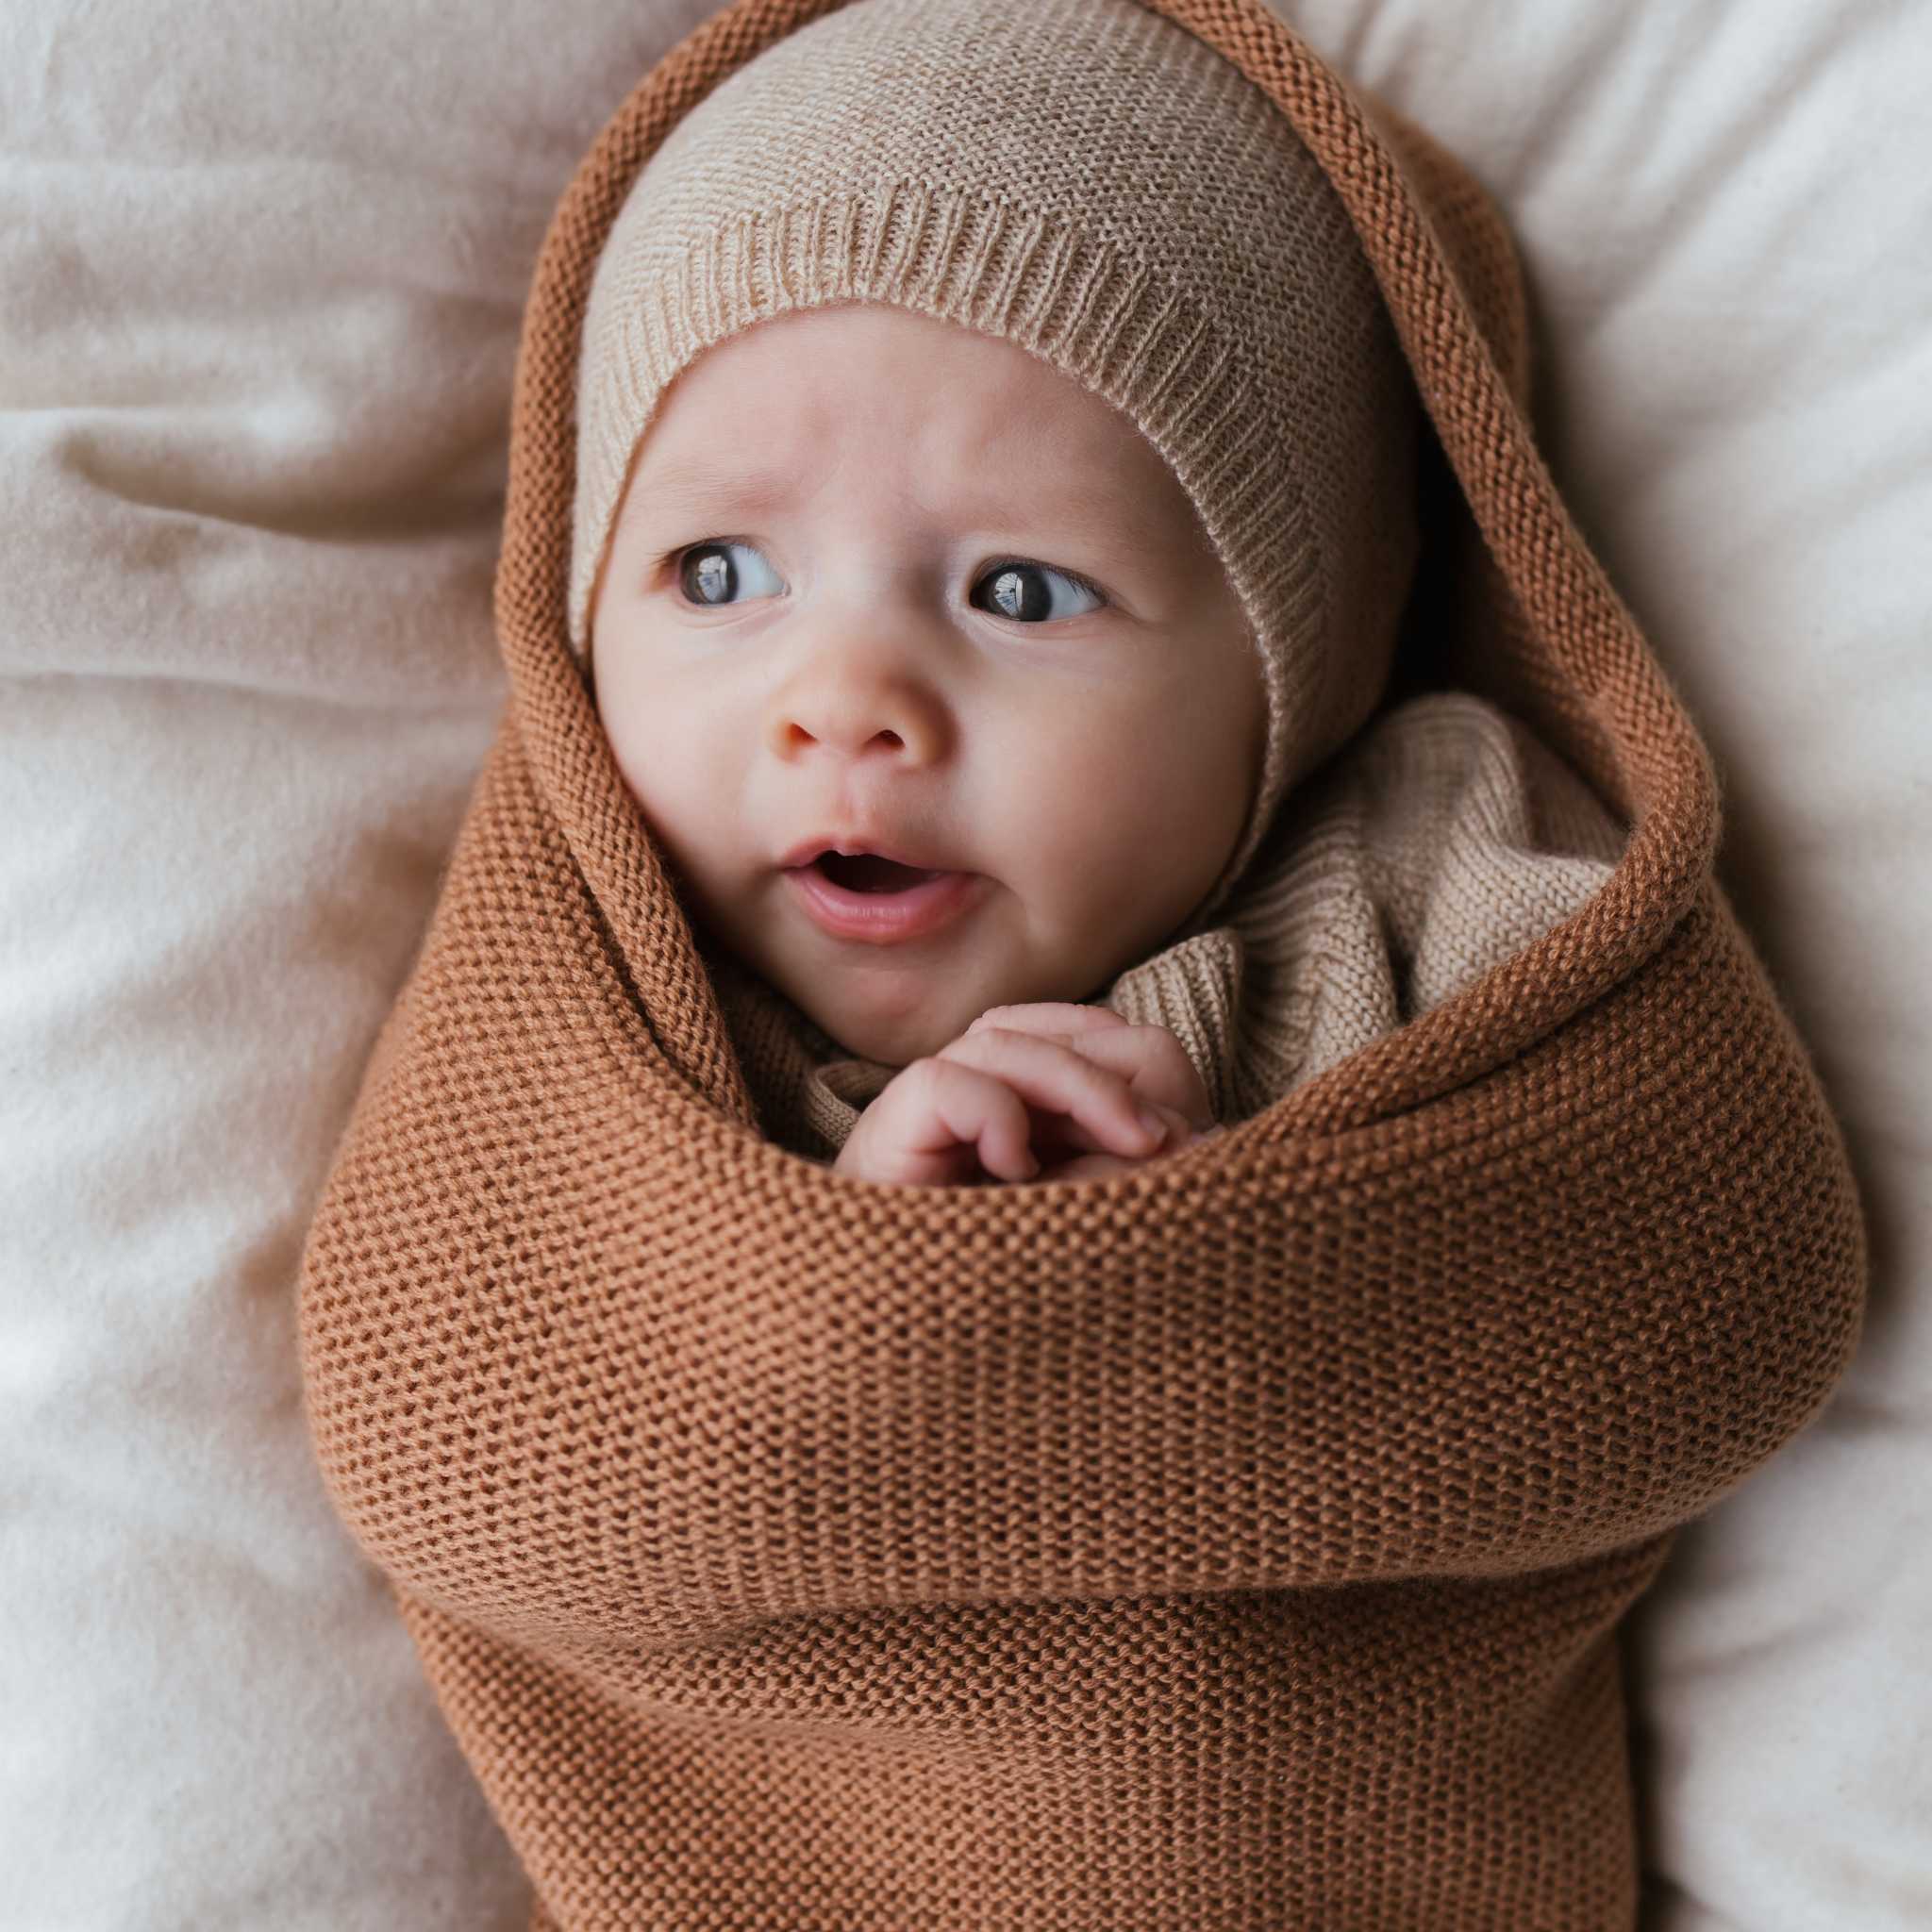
(843, 602)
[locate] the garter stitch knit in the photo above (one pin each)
(1240, 1542)
(1089, 180)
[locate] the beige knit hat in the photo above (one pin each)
(1086, 180)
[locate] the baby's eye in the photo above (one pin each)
(1016, 591)
(706, 575)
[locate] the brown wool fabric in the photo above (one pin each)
(1240, 1542)
(1089, 180)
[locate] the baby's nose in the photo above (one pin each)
(860, 711)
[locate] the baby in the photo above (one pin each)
(960, 652)
(1004, 588)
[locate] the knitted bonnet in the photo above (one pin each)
(1086, 180)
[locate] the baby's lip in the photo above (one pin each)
(851, 844)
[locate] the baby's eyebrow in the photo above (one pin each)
(694, 485)
(1126, 530)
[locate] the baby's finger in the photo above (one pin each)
(1156, 1065)
(1056, 1135)
(1049, 1017)
(1059, 1137)
(1058, 1078)
(1151, 1059)
(947, 1105)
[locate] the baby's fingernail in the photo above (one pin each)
(1153, 1122)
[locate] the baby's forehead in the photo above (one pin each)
(978, 425)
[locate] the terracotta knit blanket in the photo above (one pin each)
(1237, 1541)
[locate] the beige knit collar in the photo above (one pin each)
(1444, 837)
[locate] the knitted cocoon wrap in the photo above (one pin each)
(1237, 1541)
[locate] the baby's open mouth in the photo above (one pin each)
(866, 899)
(865, 872)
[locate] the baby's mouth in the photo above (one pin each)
(865, 872)
(865, 899)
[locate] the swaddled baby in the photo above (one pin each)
(1034, 634)
(996, 490)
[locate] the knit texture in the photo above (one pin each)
(1089, 180)
(1237, 1542)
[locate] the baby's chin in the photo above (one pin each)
(900, 1026)
(900, 1019)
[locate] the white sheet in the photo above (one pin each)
(263, 269)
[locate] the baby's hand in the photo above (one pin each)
(1023, 1088)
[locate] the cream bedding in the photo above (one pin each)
(261, 276)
